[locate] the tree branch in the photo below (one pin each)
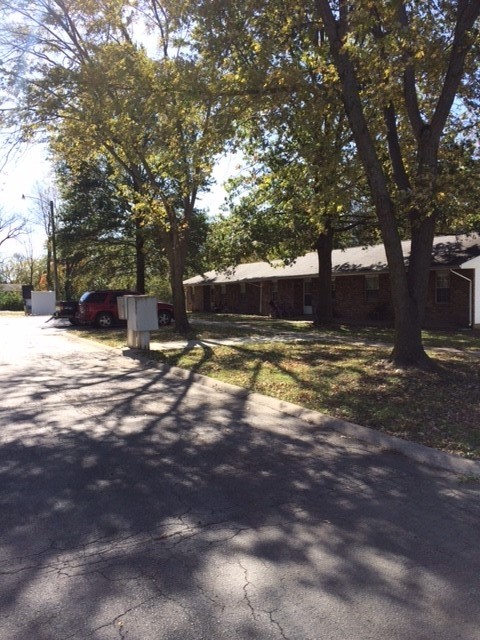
(468, 13)
(410, 83)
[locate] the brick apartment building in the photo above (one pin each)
(360, 285)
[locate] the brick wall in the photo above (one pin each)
(194, 298)
(352, 303)
(453, 313)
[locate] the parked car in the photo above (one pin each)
(99, 308)
(66, 309)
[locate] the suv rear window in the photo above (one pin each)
(119, 294)
(94, 296)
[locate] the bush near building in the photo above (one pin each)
(11, 301)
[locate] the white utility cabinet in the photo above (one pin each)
(142, 313)
(142, 318)
(122, 307)
(43, 303)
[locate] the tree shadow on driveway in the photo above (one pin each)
(139, 505)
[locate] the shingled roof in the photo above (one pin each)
(448, 252)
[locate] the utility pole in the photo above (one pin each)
(52, 237)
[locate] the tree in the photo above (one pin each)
(45, 215)
(22, 268)
(97, 226)
(408, 78)
(10, 227)
(405, 63)
(156, 116)
(102, 243)
(304, 186)
(304, 191)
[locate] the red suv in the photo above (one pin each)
(100, 308)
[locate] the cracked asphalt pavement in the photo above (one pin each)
(137, 505)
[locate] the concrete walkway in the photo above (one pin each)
(259, 335)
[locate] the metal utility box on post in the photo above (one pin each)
(43, 303)
(142, 317)
(122, 307)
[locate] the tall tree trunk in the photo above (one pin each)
(68, 280)
(182, 325)
(48, 277)
(176, 249)
(408, 288)
(139, 257)
(408, 348)
(323, 309)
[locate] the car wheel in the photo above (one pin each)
(73, 321)
(164, 318)
(104, 320)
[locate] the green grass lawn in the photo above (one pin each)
(350, 381)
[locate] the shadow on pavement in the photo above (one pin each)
(126, 492)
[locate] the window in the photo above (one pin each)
(371, 288)
(307, 293)
(442, 287)
(94, 296)
(275, 290)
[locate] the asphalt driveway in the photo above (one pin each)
(138, 505)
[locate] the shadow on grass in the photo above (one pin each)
(439, 408)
